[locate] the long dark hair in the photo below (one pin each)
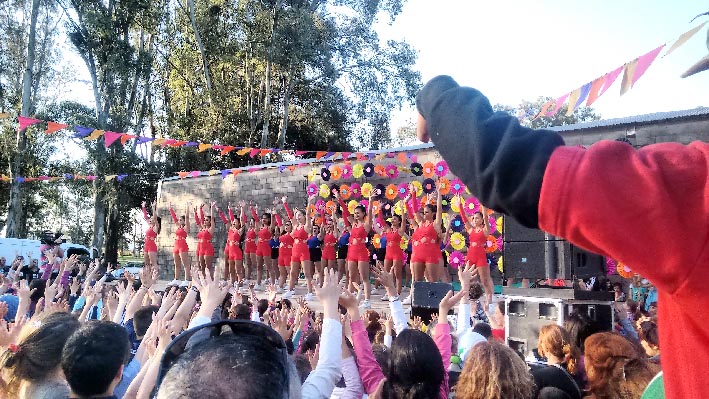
(415, 367)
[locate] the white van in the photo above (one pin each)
(11, 247)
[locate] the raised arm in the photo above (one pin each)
(345, 211)
(464, 217)
(144, 208)
(284, 200)
(211, 216)
(486, 225)
(196, 217)
(231, 212)
(369, 219)
(222, 216)
(173, 215)
(308, 219)
(187, 218)
(439, 210)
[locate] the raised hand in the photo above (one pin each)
(279, 322)
(329, 294)
(466, 274)
(416, 323)
(24, 292)
(284, 199)
(386, 278)
(211, 290)
(313, 357)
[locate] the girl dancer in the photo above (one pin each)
(181, 251)
(205, 255)
(250, 246)
(154, 226)
(329, 257)
(358, 254)
(314, 243)
(233, 256)
(393, 232)
(301, 255)
(263, 250)
(426, 251)
(478, 231)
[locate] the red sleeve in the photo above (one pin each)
(415, 204)
(223, 217)
(244, 218)
(288, 210)
(380, 218)
(201, 214)
(231, 215)
(174, 216)
(646, 208)
(145, 214)
(279, 222)
(345, 212)
(463, 215)
(196, 218)
(253, 214)
(410, 209)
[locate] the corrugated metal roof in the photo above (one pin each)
(648, 118)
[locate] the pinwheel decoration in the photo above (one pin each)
(330, 207)
(457, 241)
(398, 208)
(334, 189)
(346, 171)
(441, 168)
(368, 170)
(392, 171)
(375, 207)
(429, 186)
(312, 190)
(457, 187)
(380, 170)
(364, 203)
(351, 206)
(498, 223)
(416, 169)
(324, 190)
(403, 190)
(456, 203)
(391, 192)
(366, 190)
(336, 172)
(456, 259)
(380, 190)
(404, 244)
(611, 266)
(457, 224)
(377, 241)
(429, 170)
(357, 170)
(311, 175)
(356, 190)
(500, 243)
(491, 244)
(386, 207)
(445, 203)
(492, 223)
(320, 206)
(500, 264)
(345, 191)
(471, 205)
(310, 210)
(325, 174)
(444, 185)
(418, 187)
(623, 270)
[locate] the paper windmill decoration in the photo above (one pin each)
(457, 187)
(318, 221)
(404, 244)
(611, 266)
(418, 187)
(457, 224)
(429, 186)
(310, 210)
(392, 171)
(441, 168)
(365, 203)
(351, 206)
(325, 174)
(491, 244)
(457, 241)
(368, 170)
(403, 190)
(324, 190)
(377, 241)
(336, 172)
(346, 171)
(456, 259)
(471, 205)
(334, 189)
(444, 185)
(498, 223)
(345, 191)
(366, 190)
(312, 190)
(429, 170)
(398, 208)
(416, 169)
(380, 170)
(445, 203)
(357, 170)
(456, 203)
(380, 190)
(330, 207)
(623, 270)
(356, 190)
(386, 208)
(311, 175)
(391, 192)
(320, 206)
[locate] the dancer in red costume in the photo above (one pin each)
(393, 231)
(359, 226)
(285, 249)
(329, 254)
(233, 256)
(205, 249)
(426, 251)
(250, 246)
(263, 249)
(478, 230)
(154, 226)
(300, 257)
(180, 253)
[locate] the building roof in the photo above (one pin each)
(638, 119)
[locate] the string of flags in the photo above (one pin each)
(632, 71)
(66, 176)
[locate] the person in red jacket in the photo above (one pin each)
(579, 193)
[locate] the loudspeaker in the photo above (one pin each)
(584, 264)
(514, 231)
(524, 260)
(426, 298)
(550, 259)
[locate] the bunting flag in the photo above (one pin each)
(320, 154)
(204, 147)
(628, 72)
(346, 155)
(26, 122)
(227, 149)
(254, 152)
(110, 177)
(4, 115)
(610, 78)
(125, 137)
(559, 103)
(110, 138)
(243, 151)
(644, 62)
(595, 88)
(573, 99)
(54, 127)
(683, 39)
(143, 140)
(95, 134)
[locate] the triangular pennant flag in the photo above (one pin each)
(254, 152)
(110, 137)
(121, 177)
(54, 127)
(628, 73)
(610, 79)
(196, 173)
(4, 178)
(55, 178)
(182, 175)
(204, 147)
(143, 140)
(168, 142)
(292, 168)
(379, 157)
(235, 172)
(243, 151)
(585, 89)
(402, 157)
(82, 131)
(178, 143)
(30, 179)
(159, 141)
(281, 168)
(299, 152)
(191, 144)
(4, 115)
(360, 156)
(683, 39)
(573, 99)
(559, 103)
(79, 177)
(110, 177)
(67, 176)
(265, 152)
(252, 169)
(320, 154)
(346, 155)
(213, 172)
(95, 135)
(20, 179)
(593, 91)
(90, 177)
(43, 178)
(125, 137)
(644, 63)
(26, 122)
(227, 149)
(217, 147)
(542, 112)
(225, 173)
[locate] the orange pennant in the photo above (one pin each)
(595, 88)
(227, 149)
(235, 172)
(54, 127)
(320, 154)
(402, 157)
(204, 147)
(125, 137)
(243, 151)
(545, 108)
(265, 152)
(158, 141)
(291, 168)
(182, 175)
(178, 143)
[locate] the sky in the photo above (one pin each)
(520, 50)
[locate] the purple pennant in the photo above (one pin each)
(68, 176)
(225, 173)
(143, 140)
(329, 154)
(196, 173)
(281, 168)
(121, 177)
(371, 155)
(585, 89)
(83, 131)
(20, 179)
(192, 144)
(275, 150)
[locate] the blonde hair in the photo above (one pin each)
(494, 371)
(555, 340)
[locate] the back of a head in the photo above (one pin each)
(494, 371)
(554, 340)
(580, 326)
(93, 356)
(415, 367)
(39, 349)
(483, 329)
(475, 291)
(242, 312)
(552, 393)
(143, 318)
(250, 363)
(615, 366)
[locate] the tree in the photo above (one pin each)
(527, 111)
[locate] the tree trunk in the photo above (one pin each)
(200, 45)
(286, 104)
(99, 218)
(16, 227)
(269, 62)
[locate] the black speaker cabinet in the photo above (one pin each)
(427, 297)
(524, 260)
(525, 316)
(514, 231)
(584, 264)
(550, 259)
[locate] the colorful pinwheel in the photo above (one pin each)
(324, 190)
(491, 244)
(325, 174)
(377, 241)
(456, 259)
(391, 192)
(429, 170)
(345, 191)
(441, 168)
(366, 190)
(312, 190)
(457, 187)
(380, 170)
(416, 169)
(336, 172)
(320, 206)
(403, 190)
(368, 170)
(357, 170)
(444, 185)
(429, 186)
(457, 241)
(346, 171)
(471, 205)
(356, 190)
(457, 224)
(418, 187)
(392, 171)
(351, 206)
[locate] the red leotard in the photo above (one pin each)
(425, 245)
(394, 251)
(285, 251)
(181, 241)
(250, 246)
(328, 247)
(232, 245)
(263, 247)
(476, 251)
(206, 241)
(200, 236)
(300, 245)
(150, 236)
(357, 251)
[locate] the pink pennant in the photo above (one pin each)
(610, 78)
(299, 152)
(110, 138)
(644, 63)
(559, 103)
(346, 155)
(254, 152)
(196, 173)
(26, 122)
